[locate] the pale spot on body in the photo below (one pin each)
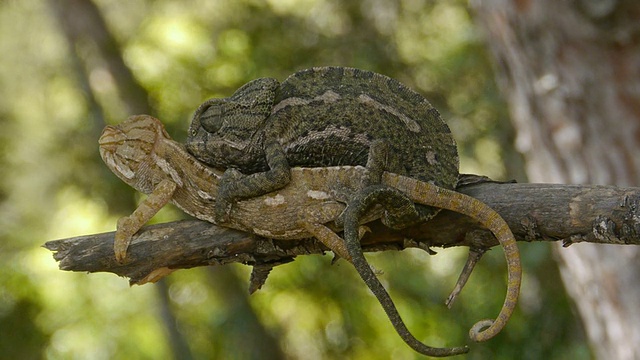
(204, 195)
(318, 195)
(168, 169)
(339, 132)
(431, 157)
(274, 200)
(328, 96)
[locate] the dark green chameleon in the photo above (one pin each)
(329, 116)
(319, 117)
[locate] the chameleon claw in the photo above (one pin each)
(225, 199)
(120, 245)
(362, 230)
(222, 211)
(339, 220)
(122, 239)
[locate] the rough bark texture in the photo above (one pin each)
(534, 212)
(570, 72)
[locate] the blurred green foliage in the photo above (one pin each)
(53, 184)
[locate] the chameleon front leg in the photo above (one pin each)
(129, 225)
(234, 185)
(390, 198)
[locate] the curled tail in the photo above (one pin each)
(431, 195)
(392, 199)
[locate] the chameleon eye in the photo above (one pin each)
(211, 119)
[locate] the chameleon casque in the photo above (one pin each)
(140, 152)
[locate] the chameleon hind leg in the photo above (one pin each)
(389, 198)
(382, 158)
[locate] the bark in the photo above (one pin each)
(534, 212)
(569, 71)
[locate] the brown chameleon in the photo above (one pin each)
(141, 153)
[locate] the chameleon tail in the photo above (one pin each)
(388, 197)
(432, 195)
(492, 221)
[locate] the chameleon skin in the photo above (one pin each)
(327, 116)
(140, 152)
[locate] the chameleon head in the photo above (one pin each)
(221, 132)
(127, 146)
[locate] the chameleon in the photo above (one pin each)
(141, 153)
(324, 116)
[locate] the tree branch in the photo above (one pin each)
(534, 212)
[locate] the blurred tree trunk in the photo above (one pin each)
(94, 48)
(570, 71)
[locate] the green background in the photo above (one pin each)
(57, 95)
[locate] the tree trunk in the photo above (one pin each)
(570, 71)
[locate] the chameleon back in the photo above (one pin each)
(330, 115)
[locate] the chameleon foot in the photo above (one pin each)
(474, 256)
(224, 199)
(123, 238)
